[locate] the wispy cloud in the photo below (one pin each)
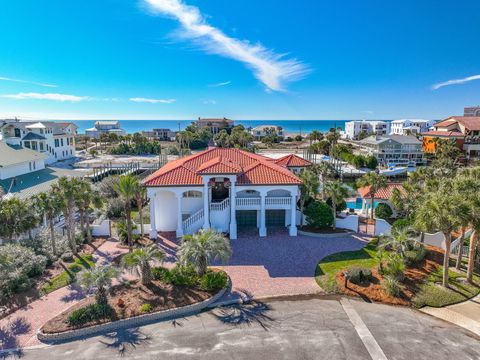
(455, 82)
(153, 101)
(3, 78)
(220, 84)
(272, 69)
(52, 97)
(209, 102)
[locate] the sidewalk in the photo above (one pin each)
(465, 314)
(20, 328)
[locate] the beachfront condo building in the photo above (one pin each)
(105, 127)
(471, 111)
(159, 134)
(354, 129)
(56, 140)
(410, 126)
(215, 125)
(393, 150)
(262, 131)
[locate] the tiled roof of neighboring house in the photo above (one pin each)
(470, 122)
(11, 156)
(383, 194)
(436, 133)
(401, 139)
(33, 136)
(251, 169)
(292, 160)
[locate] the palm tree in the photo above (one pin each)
(140, 198)
(48, 206)
(85, 199)
(66, 191)
(325, 171)
(98, 279)
(337, 193)
(315, 135)
(308, 189)
(442, 211)
(126, 189)
(376, 182)
(16, 218)
(400, 241)
(139, 261)
(202, 248)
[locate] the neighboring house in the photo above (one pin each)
(54, 139)
(410, 126)
(215, 125)
(225, 189)
(471, 111)
(159, 134)
(354, 128)
(464, 130)
(16, 161)
(105, 127)
(381, 196)
(261, 131)
(293, 163)
(392, 150)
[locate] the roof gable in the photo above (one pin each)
(292, 160)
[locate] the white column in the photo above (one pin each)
(153, 226)
(206, 206)
(263, 228)
(293, 216)
(179, 216)
(233, 213)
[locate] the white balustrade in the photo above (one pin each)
(278, 201)
(220, 206)
(248, 201)
(193, 219)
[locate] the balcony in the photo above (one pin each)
(271, 202)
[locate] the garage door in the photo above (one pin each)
(246, 218)
(275, 217)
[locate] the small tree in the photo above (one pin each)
(127, 188)
(308, 189)
(383, 211)
(371, 162)
(319, 215)
(98, 279)
(139, 261)
(337, 194)
(202, 248)
(375, 182)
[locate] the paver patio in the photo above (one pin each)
(19, 329)
(277, 264)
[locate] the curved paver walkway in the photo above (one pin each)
(277, 264)
(19, 329)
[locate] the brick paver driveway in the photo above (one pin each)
(277, 264)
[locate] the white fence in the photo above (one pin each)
(102, 229)
(350, 222)
(382, 227)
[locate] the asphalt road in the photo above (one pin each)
(311, 328)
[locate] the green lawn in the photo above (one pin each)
(431, 294)
(68, 277)
(328, 267)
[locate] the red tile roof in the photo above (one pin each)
(292, 160)
(383, 194)
(251, 169)
(438, 133)
(470, 122)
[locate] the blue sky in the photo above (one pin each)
(249, 59)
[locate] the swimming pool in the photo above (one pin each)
(357, 205)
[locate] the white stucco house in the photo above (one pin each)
(16, 161)
(224, 189)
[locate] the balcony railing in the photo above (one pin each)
(220, 206)
(193, 219)
(248, 201)
(269, 201)
(278, 200)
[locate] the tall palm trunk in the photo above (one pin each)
(471, 255)
(52, 235)
(460, 251)
(87, 229)
(146, 274)
(372, 199)
(446, 258)
(334, 206)
(140, 208)
(128, 215)
(71, 225)
(202, 265)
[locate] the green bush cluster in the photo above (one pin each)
(359, 274)
(415, 255)
(146, 308)
(179, 275)
(383, 211)
(400, 224)
(213, 281)
(139, 148)
(319, 215)
(391, 285)
(395, 267)
(89, 313)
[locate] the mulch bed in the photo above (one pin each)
(126, 300)
(414, 277)
(24, 298)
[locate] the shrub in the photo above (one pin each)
(359, 274)
(371, 162)
(214, 281)
(93, 312)
(358, 161)
(340, 207)
(67, 257)
(383, 211)
(415, 255)
(391, 286)
(179, 275)
(395, 267)
(115, 208)
(400, 224)
(145, 308)
(161, 274)
(18, 264)
(319, 215)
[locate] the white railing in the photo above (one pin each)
(220, 206)
(248, 201)
(278, 200)
(457, 242)
(193, 219)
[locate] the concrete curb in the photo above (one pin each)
(320, 235)
(453, 317)
(131, 322)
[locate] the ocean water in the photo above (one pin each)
(289, 126)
